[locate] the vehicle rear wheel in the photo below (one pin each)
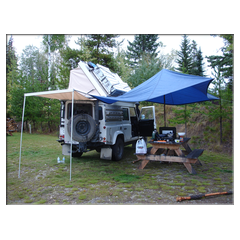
(77, 154)
(117, 150)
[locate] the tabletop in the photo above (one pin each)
(186, 156)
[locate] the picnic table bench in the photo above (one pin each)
(173, 153)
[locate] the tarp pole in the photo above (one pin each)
(164, 111)
(71, 136)
(185, 116)
(20, 154)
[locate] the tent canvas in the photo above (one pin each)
(82, 81)
(167, 87)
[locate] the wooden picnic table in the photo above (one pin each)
(171, 152)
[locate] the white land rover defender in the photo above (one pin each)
(106, 128)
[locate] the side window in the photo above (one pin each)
(100, 114)
(132, 112)
(62, 110)
(146, 113)
(125, 114)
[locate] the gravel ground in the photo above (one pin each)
(105, 192)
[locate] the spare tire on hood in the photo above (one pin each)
(84, 127)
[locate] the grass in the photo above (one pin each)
(126, 178)
(97, 181)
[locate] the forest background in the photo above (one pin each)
(142, 59)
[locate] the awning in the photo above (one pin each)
(65, 94)
(167, 87)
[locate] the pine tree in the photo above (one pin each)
(121, 67)
(142, 44)
(10, 55)
(225, 61)
(222, 86)
(101, 48)
(184, 59)
(11, 73)
(197, 60)
(147, 67)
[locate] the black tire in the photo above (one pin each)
(84, 127)
(77, 154)
(117, 150)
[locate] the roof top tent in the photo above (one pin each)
(97, 80)
(86, 79)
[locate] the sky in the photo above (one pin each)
(209, 45)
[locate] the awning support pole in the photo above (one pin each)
(21, 136)
(71, 136)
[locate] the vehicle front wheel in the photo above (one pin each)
(117, 150)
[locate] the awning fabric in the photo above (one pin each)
(177, 88)
(65, 94)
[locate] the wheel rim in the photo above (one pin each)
(82, 127)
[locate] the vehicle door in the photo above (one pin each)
(126, 124)
(147, 121)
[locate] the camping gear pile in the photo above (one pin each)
(11, 126)
(166, 134)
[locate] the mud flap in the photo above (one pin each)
(106, 153)
(66, 149)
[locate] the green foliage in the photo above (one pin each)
(12, 74)
(10, 55)
(197, 64)
(182, 115)
(224, 63)
(147, 67)
(228, 41)
(223, 86)
(143, 44)
(32, 77)
(69, 60)
(190, 60)
(101, 47)
(57, 42)
(121, 66)
(184, 59)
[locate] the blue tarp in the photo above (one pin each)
(178, 88)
